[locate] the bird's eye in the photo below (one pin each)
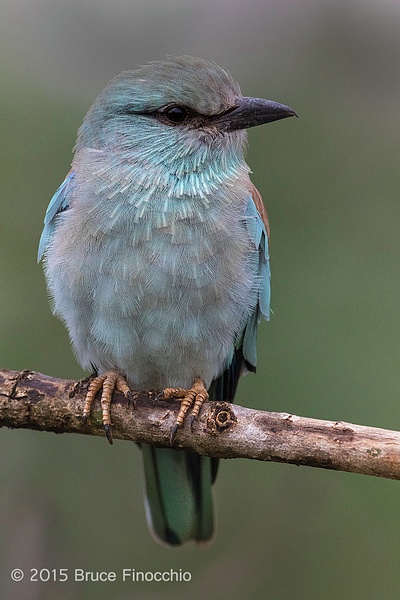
(175, 114)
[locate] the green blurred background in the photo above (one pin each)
(330, 181)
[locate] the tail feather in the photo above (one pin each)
(178, 497)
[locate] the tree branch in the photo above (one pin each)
(35, 401)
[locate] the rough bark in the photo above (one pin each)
(35, 401)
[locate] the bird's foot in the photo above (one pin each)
(193, 399)
(108, 382)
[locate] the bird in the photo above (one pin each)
(156, 256)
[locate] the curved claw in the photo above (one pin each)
(159, 396)
(108, 430)
(192, 420)
(172, 436)
(131, 399)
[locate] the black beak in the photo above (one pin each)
(249, 112)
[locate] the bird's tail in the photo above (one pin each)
(178, 497)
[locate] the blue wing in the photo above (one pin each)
(245, 354)
(257, 226)
(59, 202)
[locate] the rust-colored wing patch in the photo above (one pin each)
(258, 201)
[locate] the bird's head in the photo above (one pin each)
(166, 111)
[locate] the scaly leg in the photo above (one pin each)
(192, 398)
(108, 382)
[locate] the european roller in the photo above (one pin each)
(156, 257)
